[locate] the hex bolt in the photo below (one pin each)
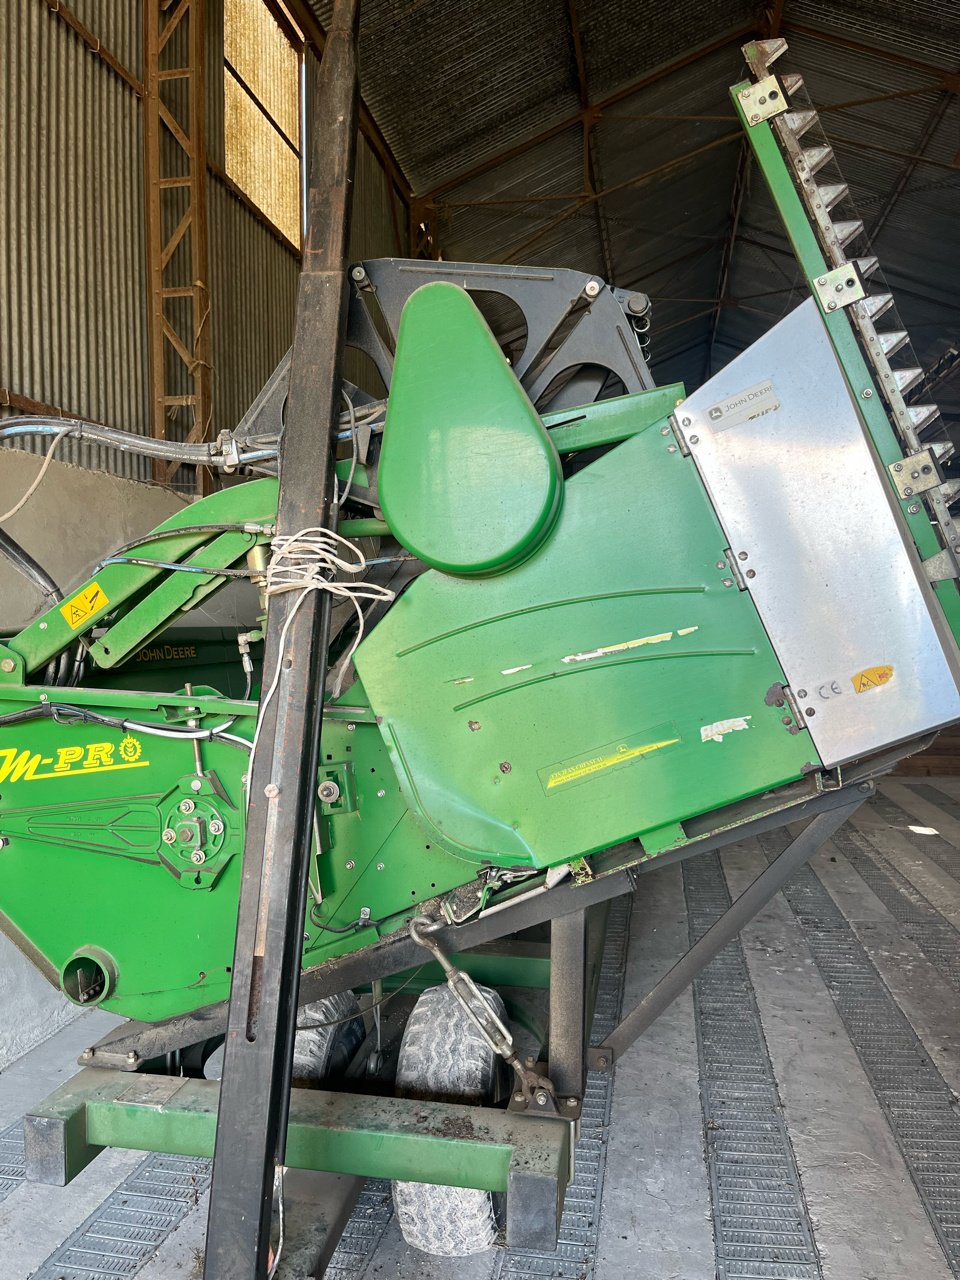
(169, 835)
(898, 466)
(473, 725)
(328, 791)
(187, 806)
(381, 793)
(541, 1097)
(907, 491)
(216, 827)
(43, 626)
(364, 913)
(198, 857)
(350, 728)
(133, 1056)
(838, 288)
(518, 1097)
(913, 508)
(350, 865)
(87, 1055)
(762, 99)
(8, 665)
(380, 866)
(914, 475)
(271, 790)
(822, 280)
(866, 393)
(571, 1102)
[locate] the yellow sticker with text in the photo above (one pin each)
(871, 678)
(84, 605)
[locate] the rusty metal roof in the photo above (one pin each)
(487, 107)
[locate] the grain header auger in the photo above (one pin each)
(604, 625)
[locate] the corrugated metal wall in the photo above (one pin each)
(72, 255)
(72, 314)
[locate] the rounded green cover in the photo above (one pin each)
(469, 479)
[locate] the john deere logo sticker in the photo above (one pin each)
(871, 678)
(84, 605)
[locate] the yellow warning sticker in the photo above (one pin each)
(871, 678)
(84, 605)
(611, 756)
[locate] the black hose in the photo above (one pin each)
(24, 563)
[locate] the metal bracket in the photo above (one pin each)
(916, 473)
(764, 99)
(839, 287)
(943, 566)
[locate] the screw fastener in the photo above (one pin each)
(216, 827)
(169, 835)
(198, 857)
(8, 664)
(271, 790)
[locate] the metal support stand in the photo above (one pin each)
(568, 1010)
(754, 899)
(255, 1094)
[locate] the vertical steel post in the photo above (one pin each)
(568, 1010)
(255, 1092)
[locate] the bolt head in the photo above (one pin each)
(357, 273)
(271, 790)
(801, 693)
(87, 1055)
(505, 766)
(43, 626)
(518, 1097)
(822, 280)
(907, 491)
(592, 288)
(571, 1102)
(350, 865)
(169, 835)
(196, 784)
(216, 827)
(8, 664)
(328, 791)
(866, 394)
(913, 508)
(350, 728)
(898, 466)
(602, 1063)
(133, 1056)
(685, 422)
(728, 582)
(198, 857)
(541, 1097)
(694, 439)
(664, 431)
(380, 866)
(187, 806)
(751, 573)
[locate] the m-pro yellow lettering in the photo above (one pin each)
(67, 757)
(99, 755)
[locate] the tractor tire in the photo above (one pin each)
(325, 1050)
(444, 1058)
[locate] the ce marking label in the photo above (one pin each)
(831, 689)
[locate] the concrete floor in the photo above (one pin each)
(865, 1110)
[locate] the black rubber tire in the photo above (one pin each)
(324, 1051)
(444, 1057)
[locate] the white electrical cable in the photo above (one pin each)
(309, 561)
(278, 1186)
(38, 479)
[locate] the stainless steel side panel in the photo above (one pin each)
(813, 529)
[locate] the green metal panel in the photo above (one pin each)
(469, 480)
(610, 421)
(560, 707)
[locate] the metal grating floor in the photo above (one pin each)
(11, 1159)
(127, 1229)
(824, 1143)
(920, 1107)
(761, 1224)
